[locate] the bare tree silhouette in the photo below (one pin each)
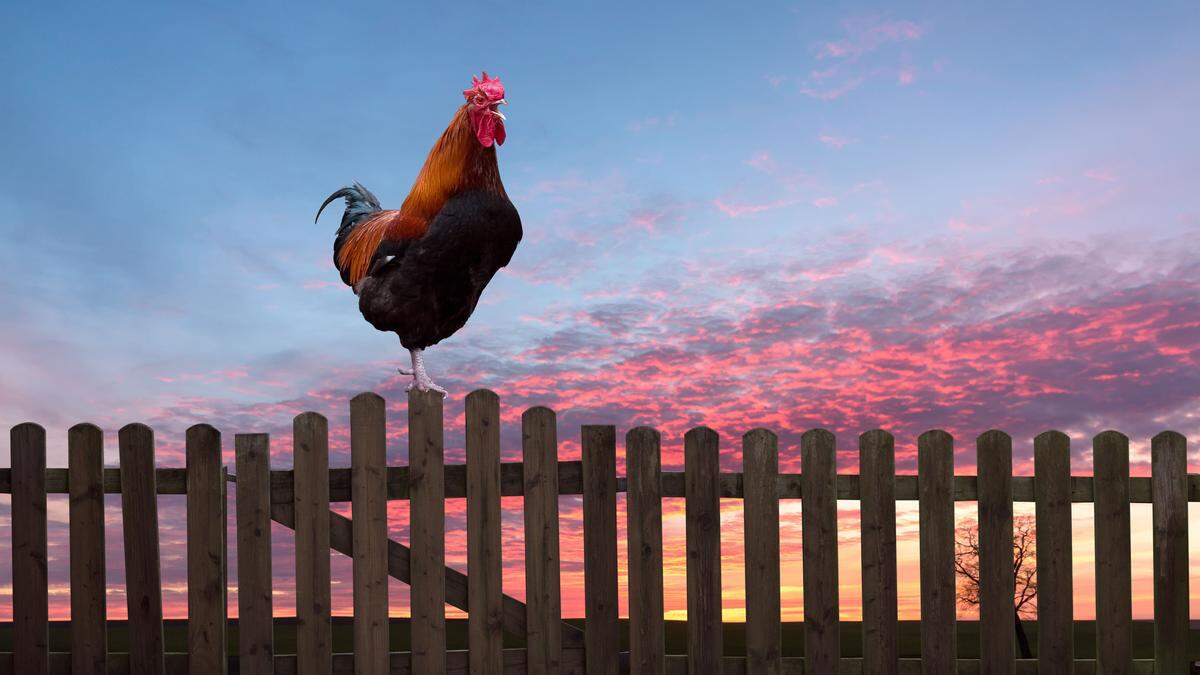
(966, 563)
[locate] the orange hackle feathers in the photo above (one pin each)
(448, 169)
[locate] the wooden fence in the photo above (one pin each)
(300, 499)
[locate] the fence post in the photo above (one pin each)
(822, 633)
(877, 481)
(30, 589)
(600, 548)
(368, 494)
(205, 551)
(310, 459)
(1168, 458)
(997, 585)
(143, 583)
(256, 641)
(427, 531)
(484, 555)
(543, 616)
(935, 487)
(1114, 645)
(89, 614)
(702, 488)
(1052, 487)
(643, 467)
(760, 470)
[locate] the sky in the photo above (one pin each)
(841, 215)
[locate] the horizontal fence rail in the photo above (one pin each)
(300, 499)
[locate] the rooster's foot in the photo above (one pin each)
(425, 384)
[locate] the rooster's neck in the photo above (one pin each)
(456, 163)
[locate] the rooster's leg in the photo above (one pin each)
(421, 379)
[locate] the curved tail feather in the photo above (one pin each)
(360, 205)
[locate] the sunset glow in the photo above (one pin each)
(793, 218)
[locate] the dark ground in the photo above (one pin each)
(175, 635)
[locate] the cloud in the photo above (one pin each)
(864, 35)
(859, 55)
(835, 141)
(740, 209)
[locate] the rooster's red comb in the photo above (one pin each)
(484, 91)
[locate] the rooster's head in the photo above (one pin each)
(484, 99)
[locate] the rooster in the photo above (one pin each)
(419, 271)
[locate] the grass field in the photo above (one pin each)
(175, 635)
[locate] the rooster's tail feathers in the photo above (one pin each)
(359, 201)
(360, 206)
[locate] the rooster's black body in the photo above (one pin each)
(425, 289)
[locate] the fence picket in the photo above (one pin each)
(600, 547)
(647, 633)
(205, 551)
(89, 624)
(310, 457)
(427, 531)
(30, 596)
(997, 585)
(877, 475)
(1168, 457)
(543, 624)
(702, 485)
(760, 467)
(368, 468)
(1055, 594)
(822, 633)
(484, 555)
(143, 583)
(935, 482)
(256, 640)
(1114, 644)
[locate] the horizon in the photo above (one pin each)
(848, 217)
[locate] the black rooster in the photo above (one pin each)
(419, 271)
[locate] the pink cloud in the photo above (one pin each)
(833, 93)
(737, 210)
(824, 202)
(866, 34)
(835, 141)
(906, 76)
(1101, 175)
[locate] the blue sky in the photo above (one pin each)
(790, 214)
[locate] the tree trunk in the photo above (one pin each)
(1023, 640)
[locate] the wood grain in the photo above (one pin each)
(760, 463)
(877, 472)
(539, 449)
(935, 472)
(1168, 462)
(89, 635)
(1114, 641)
(701, 458)
(27, 445)
(139, 516)
(484, 555)
(822, 631)
(600, 548)
(647, 632)
(256, 640)
(1056, 624)
(368, 464)
(427, 531)
(997, 584)
(205, 551)
(310, 457)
